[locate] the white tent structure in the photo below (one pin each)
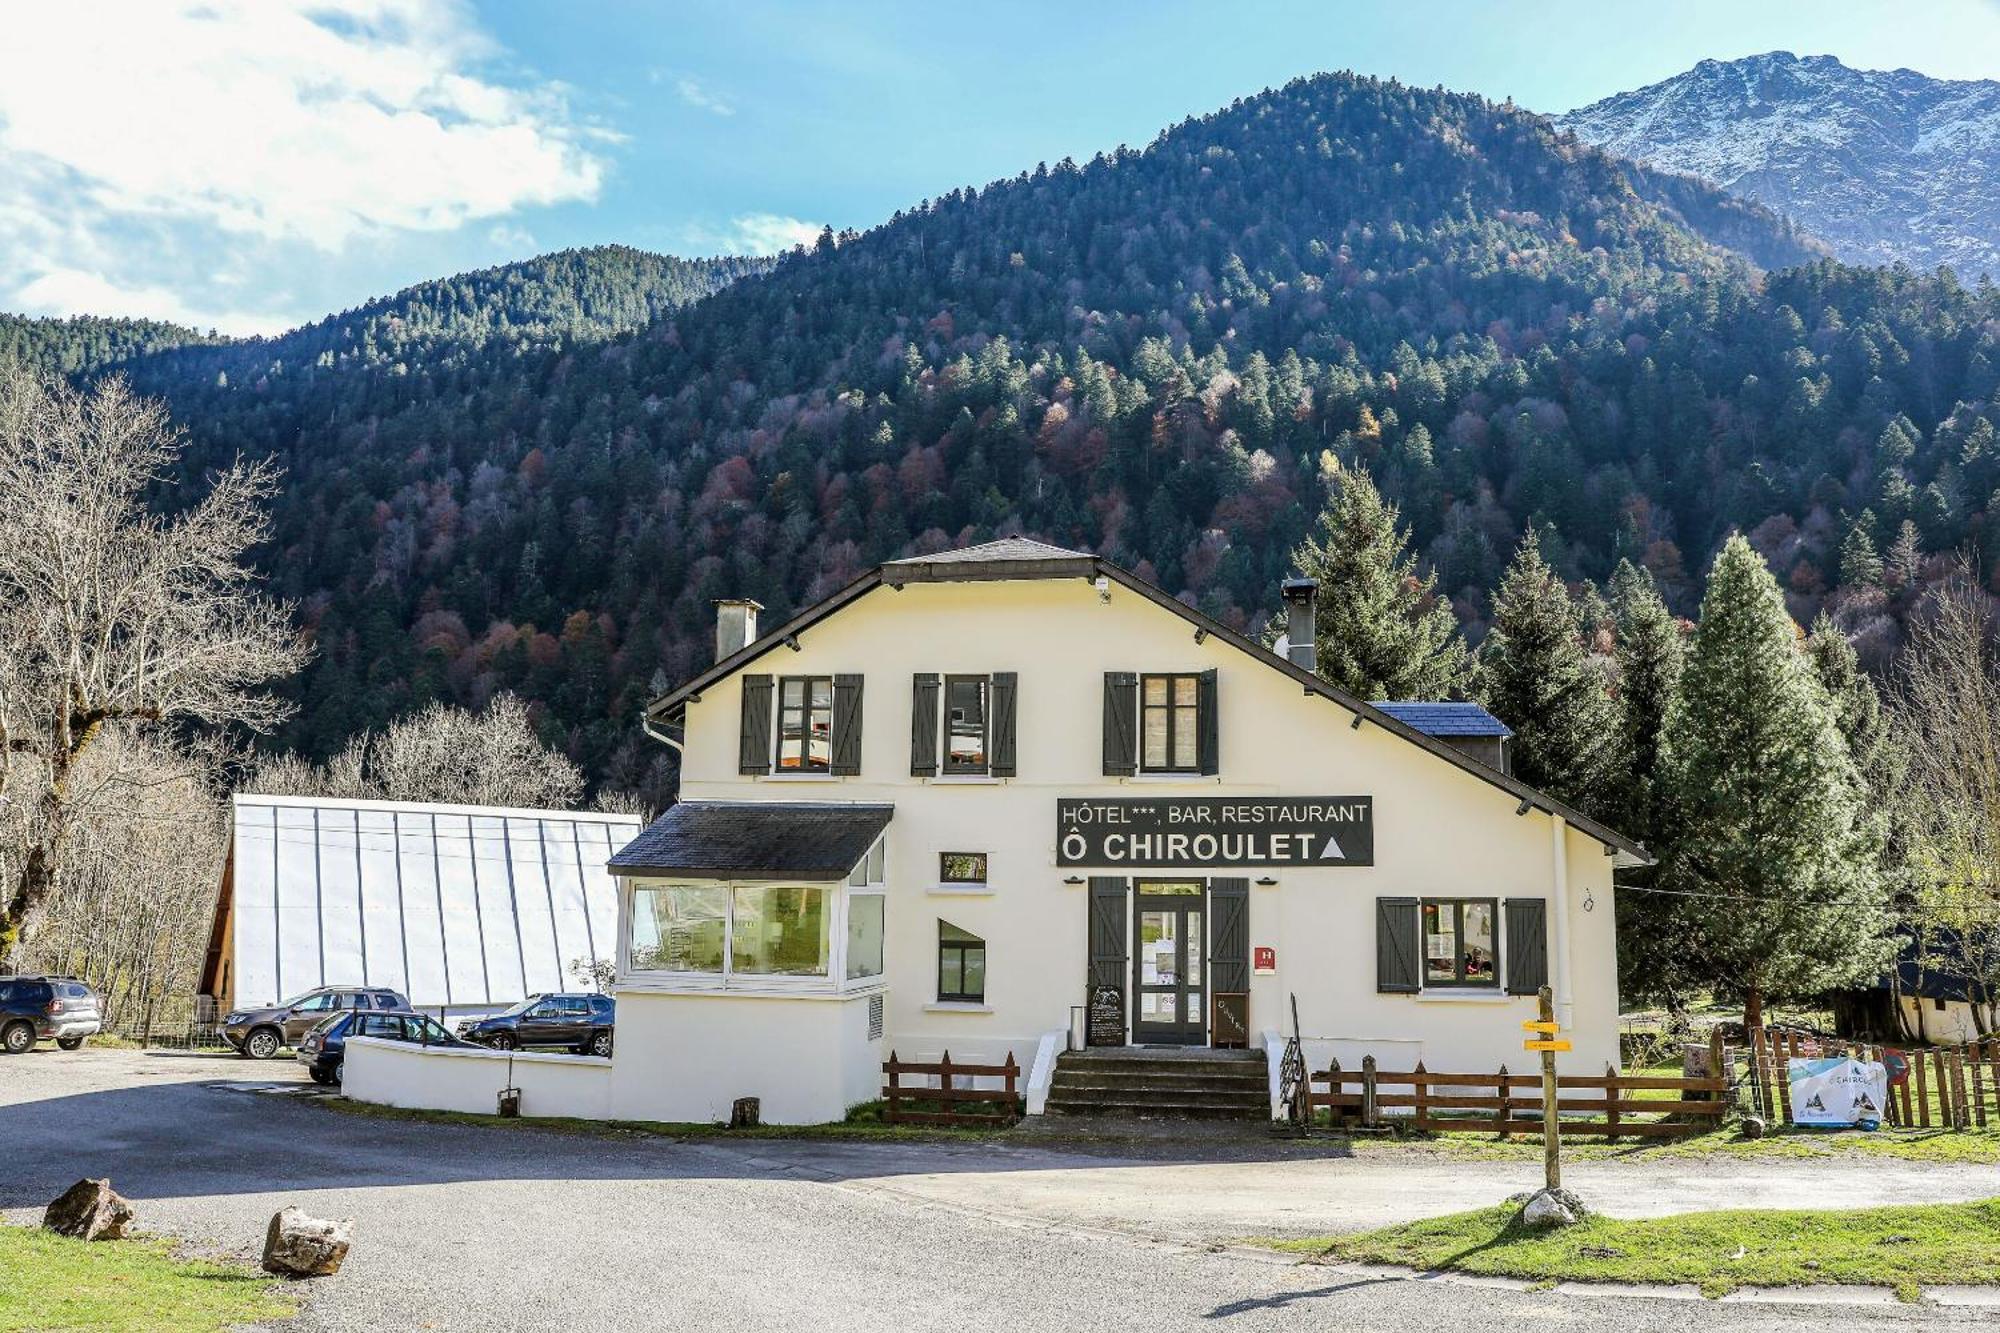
(463, 909)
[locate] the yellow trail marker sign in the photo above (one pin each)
(1540, 1025)
(1550, 1045)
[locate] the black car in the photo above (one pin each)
(581, 1023)
(325, 1047)
(41, 1008)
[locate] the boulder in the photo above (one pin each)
(1547, 1209)
(297, 1244)
(89, 1210)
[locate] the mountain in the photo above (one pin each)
(1886, 166)
(1166, 354)
(85, 344)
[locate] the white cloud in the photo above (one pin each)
(517, 239)
(697, 96)
(133, 132)
(70, 291)
(753, 234)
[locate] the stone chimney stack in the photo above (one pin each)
(735, 625)
(1300, 596)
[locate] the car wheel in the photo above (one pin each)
(320, 1076)
(503, 1041)
(18, 1038)
(261, 1044)
(69, 1043)
(334, 1076)
(600, 1044)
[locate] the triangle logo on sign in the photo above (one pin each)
(1332, 850)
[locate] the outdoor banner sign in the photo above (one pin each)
(1204, 832)
(1838, 1092)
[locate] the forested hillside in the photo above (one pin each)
(1161, 354)
(86, 343)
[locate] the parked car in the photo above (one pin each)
(582, 1023)
(259, 1033)
(41, 1008)
(324, 1050)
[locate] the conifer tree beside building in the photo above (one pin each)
(1382, 630)
(1537, 678)
(1650, 655)
(1773, 866)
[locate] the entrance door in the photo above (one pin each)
(1168, 963)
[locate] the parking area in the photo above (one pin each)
(518, 1228)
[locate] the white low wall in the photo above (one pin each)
(457, 1078)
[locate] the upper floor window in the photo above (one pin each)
(965, 724)
(1170, 723)
(805, 724)
(962, 726)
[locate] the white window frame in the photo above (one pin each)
(867, 879)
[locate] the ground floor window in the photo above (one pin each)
(778, 931)
(1459, 942)
(679, 927)
(865, 918)
(961, 965)
(760, 930)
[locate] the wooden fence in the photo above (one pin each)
(1947, 1087)
(924, 1104)
(1495, 1102)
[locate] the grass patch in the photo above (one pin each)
(863, 1124)
(1902, 1248)
(53, 1282)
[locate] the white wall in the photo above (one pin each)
(1439, 831)
(1953, 1025)
(687, 1057)
(396, 1073)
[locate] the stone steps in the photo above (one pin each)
(1145, 1082)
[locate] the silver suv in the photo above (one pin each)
(260, 1033)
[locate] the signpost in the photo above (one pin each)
(1541, 1037)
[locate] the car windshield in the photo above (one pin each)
(328, 1024)
(521, 1008)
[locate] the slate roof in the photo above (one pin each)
(1445, 719)
(805, 840)
(1007, 548)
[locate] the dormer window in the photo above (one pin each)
(805, 724)
(1170, 724)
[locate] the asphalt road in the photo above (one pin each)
(473, 1228)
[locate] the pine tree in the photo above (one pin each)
(1536, 677)
(1905, 558)
(1382, 631)
(1774, 855)
(1650, 655)
(1860, 566)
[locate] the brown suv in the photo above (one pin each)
(260, 1033)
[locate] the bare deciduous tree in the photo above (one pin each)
(112, 613)
(1945, 713)
(440, 754)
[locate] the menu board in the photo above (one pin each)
(1231, 1021)
(1104, 1022)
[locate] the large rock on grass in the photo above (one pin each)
(1548, 1209)
(296, 1244)
(89, 1210)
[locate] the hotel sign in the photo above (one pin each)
(1215, 832)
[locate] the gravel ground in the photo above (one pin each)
(471, 1228)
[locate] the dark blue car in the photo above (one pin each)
(580, 1023)
(325, 1047)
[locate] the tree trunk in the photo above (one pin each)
(1753, 1009)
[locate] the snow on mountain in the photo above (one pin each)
(1883, 165)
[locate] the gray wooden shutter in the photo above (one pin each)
(1396, 942)
(846, 726)
(1229, 935)
(1005, 687)
(753, 749)
(1108, 939)
(924, 726)
(1527, 944)
(1208, 745)
(1121, 722)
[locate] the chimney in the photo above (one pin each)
(1300, 594)
(735, 624)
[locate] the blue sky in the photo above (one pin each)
(249, 164)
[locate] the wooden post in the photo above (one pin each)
(1781, 1073)
(944, 1082)
(1716, 1056)
(1368, 1092)
(889, 1089)
(1993, 1068)
(1611, 1100)
(1961, 1114)
(1760, 1064)
(1013, 1073)
(1923, 1092)
(1943, 1081)
(1336, 1114)
(1551, 1132)
(1506, 1104)
(1419, 1089)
